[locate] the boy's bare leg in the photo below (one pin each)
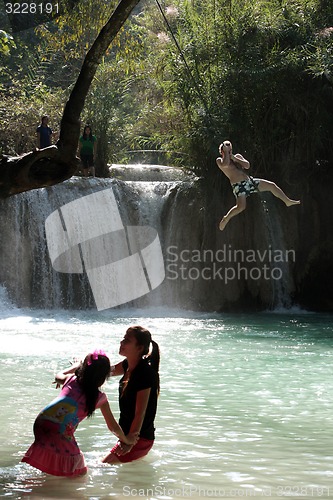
(237, 209)
(277, 192)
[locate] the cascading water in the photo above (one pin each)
(26, 272)
(283, 287)
(173, 203)
(28, 275)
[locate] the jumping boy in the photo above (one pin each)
(234, 166)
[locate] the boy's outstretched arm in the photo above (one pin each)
(238, 158)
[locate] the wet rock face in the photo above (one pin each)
(316, 288)
(312, 235)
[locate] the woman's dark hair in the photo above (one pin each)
(143, 338)
(91, 374)
(85, 136)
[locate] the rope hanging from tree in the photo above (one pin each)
(195, 83)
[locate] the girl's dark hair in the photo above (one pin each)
(91, 374)
(85, 136)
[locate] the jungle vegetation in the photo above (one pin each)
(181, 76)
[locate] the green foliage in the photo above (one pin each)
(106, 109)
(256, 72)
(20, 114)
(6, 43)
(263, 79)
(73, 34)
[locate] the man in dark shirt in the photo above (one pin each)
(44, 133)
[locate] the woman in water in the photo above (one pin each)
(138, 393)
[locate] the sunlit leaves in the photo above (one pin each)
(20, 114)
(6, 42)
(74, 33)
(256, 71)
(251, 61)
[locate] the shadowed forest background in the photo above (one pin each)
(256, 72)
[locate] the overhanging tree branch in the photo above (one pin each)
(50, 166)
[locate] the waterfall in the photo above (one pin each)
(282, 287)
(27, 273)
(198, 259)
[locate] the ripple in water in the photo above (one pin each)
(245, 408)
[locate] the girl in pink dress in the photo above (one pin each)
(55, 449)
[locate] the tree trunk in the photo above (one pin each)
(49, 166)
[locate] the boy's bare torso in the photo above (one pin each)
(234, 167)
(232, 171)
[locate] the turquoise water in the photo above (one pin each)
(246, 404)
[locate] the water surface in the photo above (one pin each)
(246, 404)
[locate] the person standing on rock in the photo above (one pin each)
(243, 185)
(87, 146)
(44, 133)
